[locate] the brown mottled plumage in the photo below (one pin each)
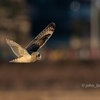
(30, 53)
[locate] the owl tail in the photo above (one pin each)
(17, 60)
(20, 60)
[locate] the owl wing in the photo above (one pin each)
(17, 49)
(41, 38)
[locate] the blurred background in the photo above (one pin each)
(70, 66)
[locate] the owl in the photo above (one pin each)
(30, 52)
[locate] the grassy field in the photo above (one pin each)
(60, 80)
(50, 95)
(49, 75)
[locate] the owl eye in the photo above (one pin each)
(39, 56)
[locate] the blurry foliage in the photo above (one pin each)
(12, 7)
(14, 24)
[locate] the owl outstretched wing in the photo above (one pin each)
(17, 49)
(41, 38)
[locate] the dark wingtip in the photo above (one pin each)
(52, 25)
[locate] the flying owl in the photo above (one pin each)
(30, 53)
